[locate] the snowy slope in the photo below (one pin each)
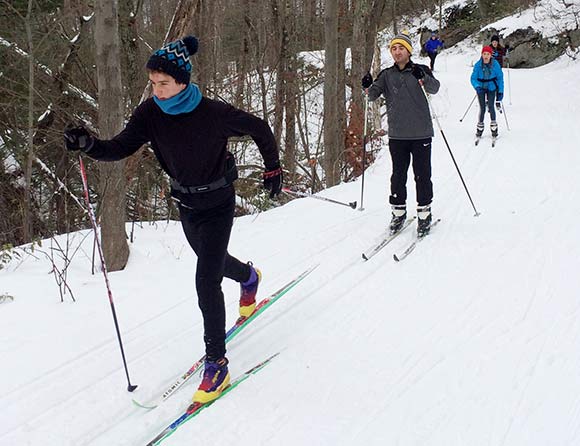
(472, 340)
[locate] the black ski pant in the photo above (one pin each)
(432, 57)
(208, 233)
(490, 96)
(401, 152)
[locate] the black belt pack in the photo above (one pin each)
(230, 176)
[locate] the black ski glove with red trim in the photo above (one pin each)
(273, 180)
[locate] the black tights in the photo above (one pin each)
(208, 233)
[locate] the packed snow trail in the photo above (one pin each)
(471, 340)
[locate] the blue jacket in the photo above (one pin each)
(432, 45)
(487, 76)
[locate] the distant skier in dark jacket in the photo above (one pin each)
(433, 46)
(189, 135)
(487, 80)
(499, 52)
(410, 129)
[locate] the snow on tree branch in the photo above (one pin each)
(74, 90)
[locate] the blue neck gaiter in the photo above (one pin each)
(183, 102)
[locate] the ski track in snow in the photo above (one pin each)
(471, 340)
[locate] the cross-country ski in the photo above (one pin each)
(187, 189)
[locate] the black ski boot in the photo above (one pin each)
(493, 127)
(479, 130)
(424, 220)
(398, 217)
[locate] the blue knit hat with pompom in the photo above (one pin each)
(173, 59)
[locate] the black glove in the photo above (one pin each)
(367, 80)
(273, 180)
(78, 138)
(418, 72)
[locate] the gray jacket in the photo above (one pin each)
(408, 112)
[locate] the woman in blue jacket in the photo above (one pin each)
(487, 79)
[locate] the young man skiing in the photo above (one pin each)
(189, 135)
(433, 46)
(410, 129)
(487, 80)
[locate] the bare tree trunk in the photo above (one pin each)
(367, 14)
(358, 50)
(344, 41)
(242, 63)
(394, 14)
(205, 60)
(113, 183)
(281, 43)
(256, 42)
(290, 156)
(331, 124)
(129, 41)
(375, 107)
(376, 11)
(310, 22)
(183, 18)
(157, 15)
(27, 215)
(290, 68)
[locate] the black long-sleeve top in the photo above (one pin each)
(191, 147)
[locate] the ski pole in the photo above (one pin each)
(468, 108)
(330, 200)
(130, 387)
(448, 148)
(509, 80)
(364, 153)
(502, 110)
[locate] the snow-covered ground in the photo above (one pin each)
(472, 340)
(549, 17)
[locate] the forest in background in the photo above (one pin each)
(82, 62)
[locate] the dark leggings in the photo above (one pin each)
(490, 104)
(432, 57)
(401, 151)
(208, 233)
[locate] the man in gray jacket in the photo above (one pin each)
(410, 129)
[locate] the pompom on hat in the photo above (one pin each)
(173, 59)
(403, 39)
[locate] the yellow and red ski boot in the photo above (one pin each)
(216, 379)
(248, 291)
